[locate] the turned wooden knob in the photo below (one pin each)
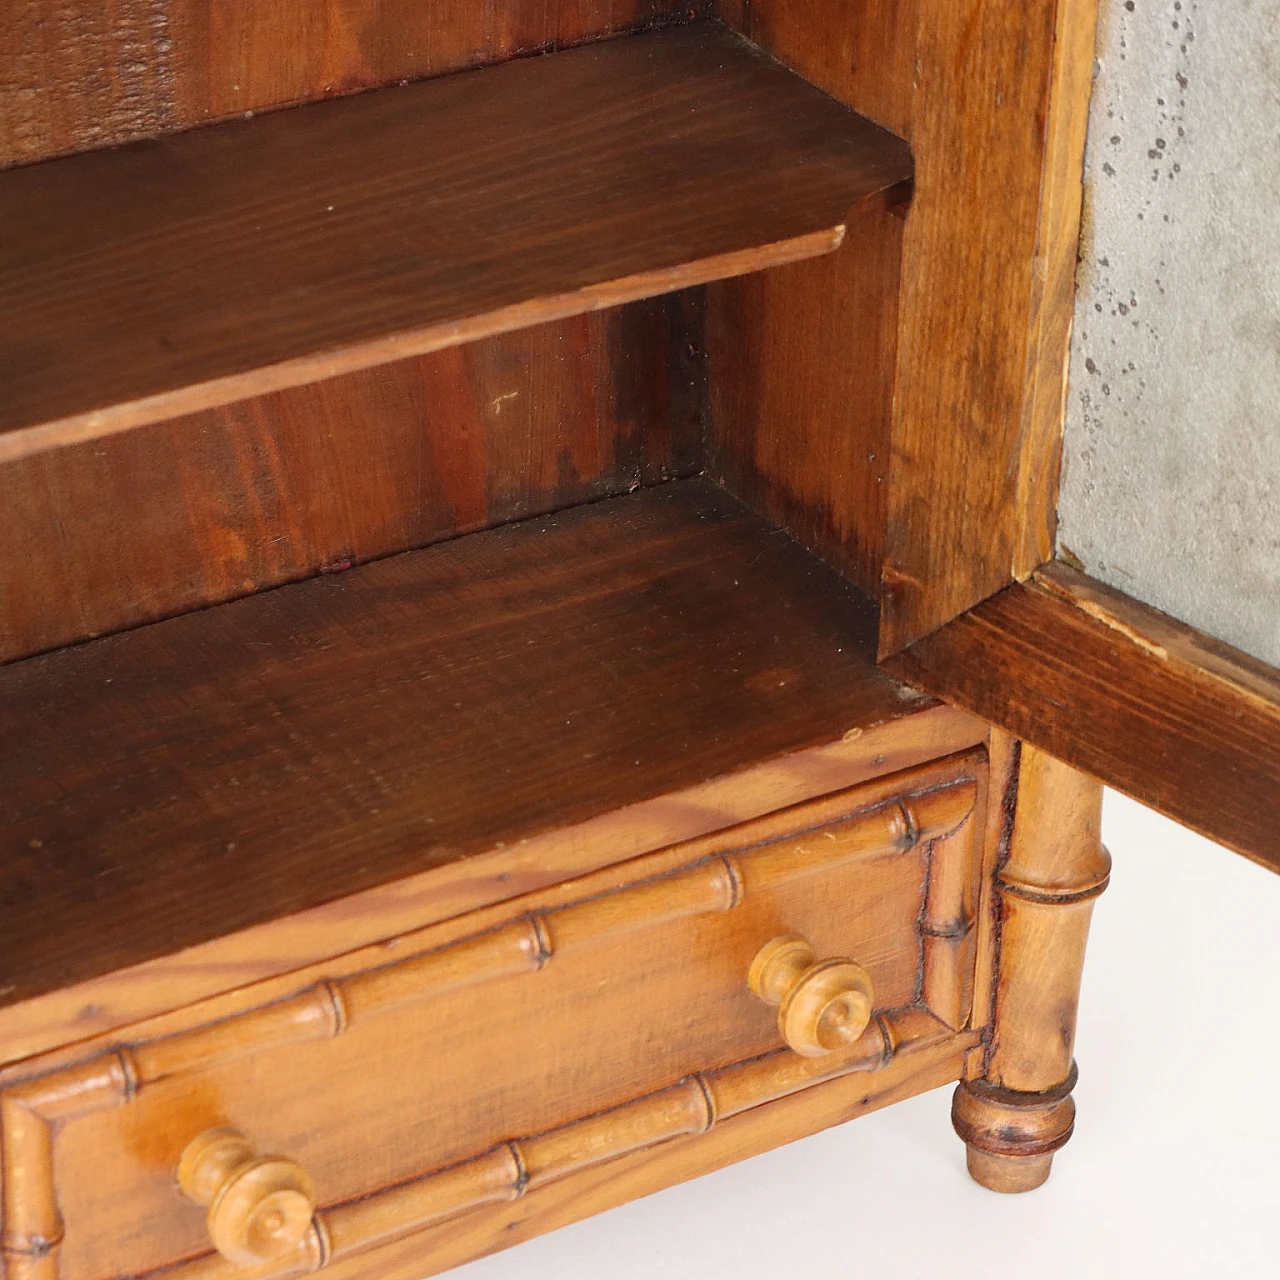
(823, 1005)
(260, 1207)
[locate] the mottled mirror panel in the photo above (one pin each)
(1171, 478)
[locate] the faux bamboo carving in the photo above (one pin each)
(948, 931)
(1019, 1112)
(690, 1107)
(32, 1109)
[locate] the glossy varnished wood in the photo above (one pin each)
(282, 751)
(252, 256)
(202, 509)
(919, 1067)
(1159, 710)
(1014, 1109)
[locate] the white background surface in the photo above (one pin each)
(1174, 1169)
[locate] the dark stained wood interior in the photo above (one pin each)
(80, 74)
(989, 250)
(956, 490)
(183, 780)
(112, 533)
(801, 360)
(800, 393)
(179, 274)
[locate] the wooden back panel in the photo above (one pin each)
(76, 74)
(114, 533)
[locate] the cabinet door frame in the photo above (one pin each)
(974, 607)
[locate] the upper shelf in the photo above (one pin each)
(173, 275)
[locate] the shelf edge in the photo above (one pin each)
(24, 442)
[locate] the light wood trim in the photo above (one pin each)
(876, 761)
(1016, 1110)
(948, 929)
(1157, 709)
(693, 1106)
(914, 1070)
(1055, 868)
(33, 1226)
(1005, 754)
(715, 882)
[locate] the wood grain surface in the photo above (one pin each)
(801, 360)
(256, 255)
(208, 981)
(171, 784)
(496, 1227)
(111, 533)
(1160, 711)
(800, 392)
(1016, 1110)
(1001, 104)
(539, 1014)
(274, 488)
(943, 469)
(76, 74)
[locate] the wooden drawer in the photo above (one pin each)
(473, 1061)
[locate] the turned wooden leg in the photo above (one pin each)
(1016, 1110)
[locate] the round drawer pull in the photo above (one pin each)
(823, 1005)
(260, 1207)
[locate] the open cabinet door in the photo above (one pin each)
(977, 605)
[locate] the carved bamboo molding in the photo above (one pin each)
(31, 1110)
(508, 1171)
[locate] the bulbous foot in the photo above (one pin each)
(1010, 1135)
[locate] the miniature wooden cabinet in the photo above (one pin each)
(462, 544)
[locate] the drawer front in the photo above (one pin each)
(471, 1061)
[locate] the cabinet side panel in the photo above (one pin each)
(800, 365)
(993, 99)
(801, 360)
(988, 264)
(77, 74)
(116, 532)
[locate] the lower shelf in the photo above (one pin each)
(228, 768)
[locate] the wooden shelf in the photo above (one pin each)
(233, 766)
(173, 275)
